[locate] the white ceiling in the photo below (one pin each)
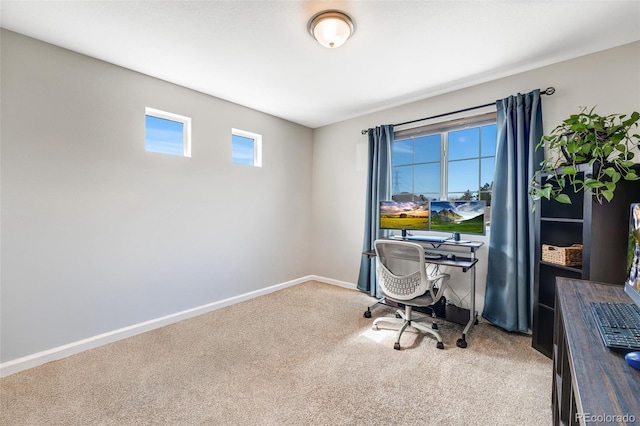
(259, 53)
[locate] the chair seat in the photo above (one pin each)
(421, 301)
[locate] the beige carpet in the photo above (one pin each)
(303, 355)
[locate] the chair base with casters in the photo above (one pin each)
(405, 319)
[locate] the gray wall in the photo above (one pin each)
(609, 80)
(98, 234)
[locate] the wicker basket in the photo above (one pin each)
(567, 256)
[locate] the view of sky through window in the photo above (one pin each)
(242, 150)
(418, 170)
(164, 136)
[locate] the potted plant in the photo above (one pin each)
(606, 141)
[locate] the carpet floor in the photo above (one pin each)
(304, 355)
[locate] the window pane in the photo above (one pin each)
(427, 148)
(164, 136)
(488, 138)
(463, 176)
(402, 179)
(419, 174)
(487, 169)
(427, 178)
(464, 143)
(403, 152)
(242, 151)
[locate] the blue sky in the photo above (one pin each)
(164, 136)
(242, 150)
(464, 169)
(167, 137)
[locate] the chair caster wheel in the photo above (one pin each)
(396, 346)
(434, 326)
(374, 327)
(440, 345)
(398, 316)
(461, 343)
(367, 314)
(476, 322)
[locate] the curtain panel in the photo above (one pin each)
(510, 273)
(378, 189)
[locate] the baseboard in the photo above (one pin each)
(331, 281)
(19, 364)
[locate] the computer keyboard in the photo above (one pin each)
(618, 324)
(428, 238)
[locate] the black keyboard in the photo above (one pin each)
(618, 324)
(427, 238)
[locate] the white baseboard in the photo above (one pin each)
(331, 281)
(19, 364)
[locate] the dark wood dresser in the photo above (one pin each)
(591, 383)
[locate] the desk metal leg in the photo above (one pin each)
(473, 314)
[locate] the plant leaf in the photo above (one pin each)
(608, 194)
(593, 183)
(563, 198)
(631, 176)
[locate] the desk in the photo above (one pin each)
(589, 380)
(465, 260)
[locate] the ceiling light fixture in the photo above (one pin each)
(331, 28)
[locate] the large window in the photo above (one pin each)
(447, 161)
(167, 133)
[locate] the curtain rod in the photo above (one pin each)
(548, 91)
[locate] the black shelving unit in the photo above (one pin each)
(602, 229)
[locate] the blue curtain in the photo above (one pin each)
(378, 189)
(509, 292)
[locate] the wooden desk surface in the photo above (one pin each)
(603, 382)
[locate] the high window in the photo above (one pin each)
(446, 161)
(167, 133)
(246, 148)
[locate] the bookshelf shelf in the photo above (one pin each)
(602, 231)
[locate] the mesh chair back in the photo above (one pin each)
(400, 269)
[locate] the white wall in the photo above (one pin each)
(609, 80)
(98, 234)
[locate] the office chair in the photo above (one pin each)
(403, 279)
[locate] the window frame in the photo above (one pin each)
(257, 146)
(170, 116)
(443, 129)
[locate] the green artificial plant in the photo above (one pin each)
(606, 141)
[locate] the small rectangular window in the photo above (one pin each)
(167, 133)
(246, 148)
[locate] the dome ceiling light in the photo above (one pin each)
(331, 28)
